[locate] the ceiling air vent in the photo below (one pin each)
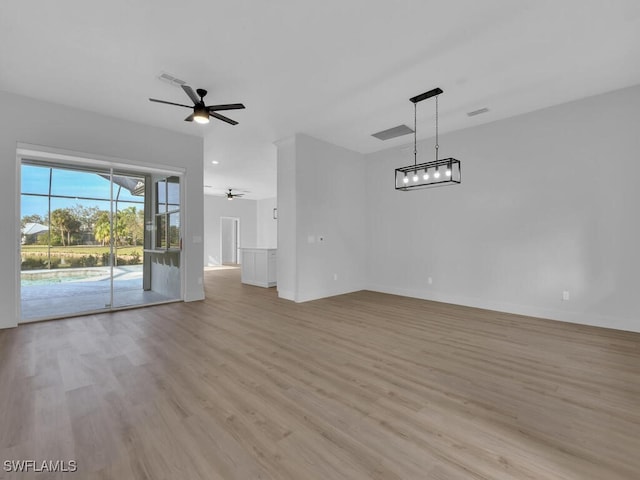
(170, 79)
(477, 112)
(392, 132)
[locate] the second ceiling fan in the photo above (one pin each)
(202, 112)
(231, 196)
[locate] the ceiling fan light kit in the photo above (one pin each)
(446, 171)
(231, 196)
(200, 115)
(201, 112)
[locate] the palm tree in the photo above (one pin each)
(102, 228)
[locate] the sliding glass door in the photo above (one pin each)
(89, 240)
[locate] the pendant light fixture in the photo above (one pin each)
(446, 171)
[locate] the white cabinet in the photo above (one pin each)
(258, 266)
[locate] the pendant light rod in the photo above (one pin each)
(418, 98)
(437, 146)
(425, 95)
(415, 138)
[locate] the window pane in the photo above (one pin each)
(161, 231)
(173, 184)
(34, 208)
(174, 230)
(126, 188)
(35, 219)
(161, 196)
(35, 179)
(80, 184)
(130, 223)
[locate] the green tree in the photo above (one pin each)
(130, 225)
(87, 216)
(128, 228)
(102, 227)
(65, 222)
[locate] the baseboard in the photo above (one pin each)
(318, 294)
(194, 297)
(582, 318)
(287, 294)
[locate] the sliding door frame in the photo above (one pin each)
(86, 161)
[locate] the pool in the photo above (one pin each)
(47, 277)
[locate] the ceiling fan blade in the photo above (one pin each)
(189, 118)
(192, 95)
(223, 118)
(228, 106)
(169, 103)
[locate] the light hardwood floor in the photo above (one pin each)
(360, 386)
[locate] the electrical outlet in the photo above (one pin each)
(335, 276)
(430, 281)
(565, 295)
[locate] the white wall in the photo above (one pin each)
(80, 131)
(322, 186)
(287, 219)
(549, 202)
(216, 207)
(267, 226)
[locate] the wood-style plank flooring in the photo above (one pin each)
(361, 386)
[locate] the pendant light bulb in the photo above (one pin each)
(415, 178)
(426, 175)
(437, 174)
(405, 179)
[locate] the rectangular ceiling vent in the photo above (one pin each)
(393, 132)
(170, 79)
(477, 112)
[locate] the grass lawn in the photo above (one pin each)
(79, 249)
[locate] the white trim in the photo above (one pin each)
(287, 295)
(582, 318)
(302, 297)
(183, 220)
(98, 311)
(27, 151)
(18, 236)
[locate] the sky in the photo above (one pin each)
(35, 179)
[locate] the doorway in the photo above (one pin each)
(88, 239)
(230, 241)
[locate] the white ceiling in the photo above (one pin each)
(338, 70)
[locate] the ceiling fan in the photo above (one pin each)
(202, 112)
(231, 196)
